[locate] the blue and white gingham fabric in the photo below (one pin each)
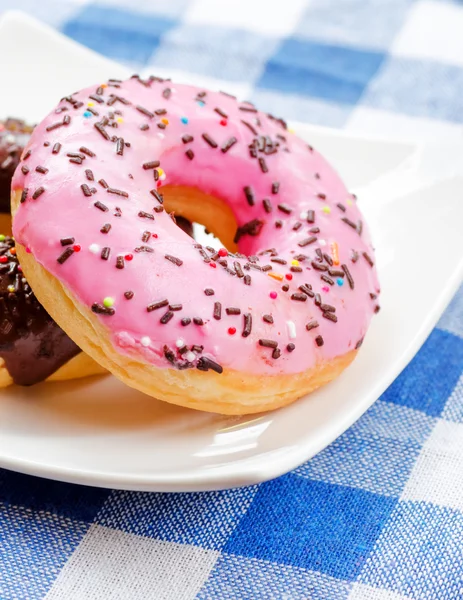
(379, 514)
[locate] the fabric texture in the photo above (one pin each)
(378, 515)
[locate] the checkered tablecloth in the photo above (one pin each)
(378, 514)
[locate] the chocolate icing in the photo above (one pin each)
(31, 343)
(14, 135)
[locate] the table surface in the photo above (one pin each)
(378, 514)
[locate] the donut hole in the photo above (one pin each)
(207, 214)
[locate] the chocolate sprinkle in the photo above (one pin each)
(38, 192)
(145, 111)
(151, 165)
(311, 325)
(175, 307)
(67, 241)
(56, 148)
(330, 316)
(368, 258)
(228, 144)
(86, 190)
(185, 321)
(276, 353)
(349, 222)
(190, 154)
(117, 192)
(267, 205)
(120, 263)
(128, 294)
(101, 206)
(187, 138)
(87, 151)
(145, 215)
(204, 364)
(207, 138)
(247, 325)
(268, 319)
(268, 343)
(298, 297)
(198, 321)
(106, 227)
(233, 311)
(24, 194)
(249, 195)
(275, 187)
(348, 276)
(307, 241)
(263, 165)
(285, 209)
(174, 260)
(310, 216)
(209, 292)
(102, 310)
(89, 175)
(166, 317)
(156, 305)
(252, 228)
(105, 253)
(217, 311)
(319, 341)
(290, 347)
(65, 255)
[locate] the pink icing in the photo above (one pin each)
(306, 182)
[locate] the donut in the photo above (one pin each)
(14, 135)
(281, 309)
(33, 348)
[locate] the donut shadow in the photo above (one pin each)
(98, 402)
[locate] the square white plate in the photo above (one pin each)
(99, 432)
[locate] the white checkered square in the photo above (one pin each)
(367, 592)
(261, 16)
(115, 565)
(433, 31)
(436, 476)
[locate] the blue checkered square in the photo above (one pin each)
(305, 524)
(419, 88)
(232, 54)
(296, 68)
(34, 546)
(429, 379)
(239, 578)
(419, 553)
(376, 454)
(205, 520)
(119, 34)
(79, 503)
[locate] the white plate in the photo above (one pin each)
(99, 432)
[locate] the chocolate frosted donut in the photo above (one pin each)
(32, 345)
(14, 135)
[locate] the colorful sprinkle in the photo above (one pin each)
(273, 295)
(2, 237)
(295, 263)
(276, 276)
(326, 209)
(94, 248)
(184, 120)
(108, 302)
(77, 248)
(180, 343)
(232, 330)
(87, 114)
(200, 103)
(11, 289)
(291, 327)
(223, 122)
(340, 281)
(288, 276)
(145, 341)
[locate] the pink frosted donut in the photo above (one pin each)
(234, 331)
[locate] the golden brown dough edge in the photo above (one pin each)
(232, 392)
(78, 367)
